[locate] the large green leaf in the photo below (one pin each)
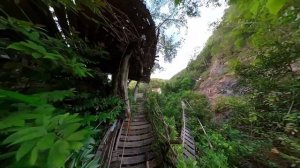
(58, 154)
(56, 95)
(255, 7)
(33, 156)
(69, 129)
(46, 142)
(76, 146)
(274, 6)
(78, 136)
(13, 120)
(24, 149)
(21, 97)
(25, 134)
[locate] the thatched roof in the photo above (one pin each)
(120, 26)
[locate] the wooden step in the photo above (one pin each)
(135, 144)
(138, 159)
(136, 127)
(136, 123)
(135, 119)
(188, 148)
(136, 137)
(132, 151)
(136, 132)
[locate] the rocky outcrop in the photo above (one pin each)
(219, 81)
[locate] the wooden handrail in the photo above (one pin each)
(208, 139)
(107, 144)
(183, 122)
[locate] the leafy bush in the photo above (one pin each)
(36, 132)
(34, 126)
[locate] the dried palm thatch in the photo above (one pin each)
(120, 27)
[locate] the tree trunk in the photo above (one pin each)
(120, 82)
(114, 82)
(136, 89)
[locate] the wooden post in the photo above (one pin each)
(124, 84)
(120, 82)
(183, 123)
(136, 89)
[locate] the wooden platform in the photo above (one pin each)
(133, 148)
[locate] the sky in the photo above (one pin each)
(195, 36)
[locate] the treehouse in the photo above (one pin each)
(123, 29)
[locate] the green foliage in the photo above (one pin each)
(230, 147)
(54, 98)
(85, 158)
(168, 106)
(183, 163)
(275, 5)
(54, 119)
(38, 132)
(42, 47)
(178, 84)
(38, 127)
(258, 41)
(156, 83)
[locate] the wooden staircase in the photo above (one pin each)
(128, 143)
(133, 147)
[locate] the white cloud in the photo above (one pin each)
(197, 34)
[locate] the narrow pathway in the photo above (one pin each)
(133, 148)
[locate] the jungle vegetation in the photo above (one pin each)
(56, 99)
(259, 40)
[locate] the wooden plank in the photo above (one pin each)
(188, 130)
(136, 127)
(136, 159)
(138, 122)
(190, 140)
(132, 151)
(142, 165)
(189, 133)
(189, 136)
(192, 151)
(188, 154)
(136, 137)
(139, 116)
(152, 164)
(191, 144)
(136, 143)
(115, 164)
(135, 119)
(130, 160)
(137, 132)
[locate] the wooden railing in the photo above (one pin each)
(108, 142)
(188, 143)
(201, 125)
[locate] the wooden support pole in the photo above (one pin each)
(136, 89)
(183, 123)
(124, 83)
